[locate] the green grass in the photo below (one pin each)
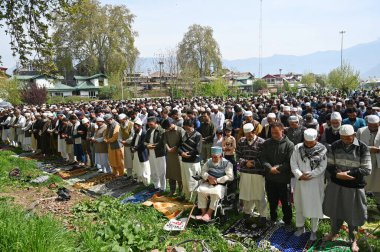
(28, 170)
(23, 232)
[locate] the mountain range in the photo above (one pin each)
(364, 58)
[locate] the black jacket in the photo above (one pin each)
(277, 153)
(159, 150)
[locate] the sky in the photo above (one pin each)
(290, 27)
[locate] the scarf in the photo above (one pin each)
(315, 154)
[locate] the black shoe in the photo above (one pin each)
(63, 194)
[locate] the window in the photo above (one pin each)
(101, 83)
(92, 93)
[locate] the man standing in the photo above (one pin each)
(115, 148)
(353, 120)
(349, 161)
(154, 143)
(252, 181)
(308, 163)
(295, 130)
(140, 154)
(190, 163)
(370, 135)
(207, 131)
(331, 134)
(126, 131)
(172, 140)
(217, 118)
(275, 157)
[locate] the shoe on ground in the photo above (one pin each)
(313, 236)
(300, 231)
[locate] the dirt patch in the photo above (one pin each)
(42, 200)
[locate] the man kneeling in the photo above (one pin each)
(216, 172)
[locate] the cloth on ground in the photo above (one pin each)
(331, 246)
(247, 230)
(170, 207)
(94, 181)
(40, 179)
(284, 240)
(73, 173)
(139, 197)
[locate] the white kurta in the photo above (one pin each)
(308, 195)
(251, 186)
(141, 169)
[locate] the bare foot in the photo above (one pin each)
(330, 237)
(206, 217)
(354, 247)
(198, 217)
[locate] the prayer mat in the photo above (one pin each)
(74, 173)
(170, 207)
(247, 230)
(118, 183)
(82, 178)
(280, 239)
(139, 197)
(94, 181)
(331, 246)
(113, 187)
(40, 179)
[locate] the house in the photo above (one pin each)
(41, 80)
(242, 81)
(87, 86)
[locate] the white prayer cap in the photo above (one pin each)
(85, 120)
(307, 104)
(215, 107)
(248, 113)
(339, 104)
(373, 119)
(99, 119)
(150, 107)
(336, 116)
(293, 119)
(248, 127)
(271, 115)
(310, 134)
(260, 107)
(361, 103)
(50, 114)
(45, 114)
(286, 108)
(346, 130)
(27, 114)
(294, 109)
(122, 116)
(159, 109)
(138, 122)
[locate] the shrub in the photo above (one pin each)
(32, 94)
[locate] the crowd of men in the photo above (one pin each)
(325, 149)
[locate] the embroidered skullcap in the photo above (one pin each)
(122, 116)
(248, 113)
(293, 119)
(373, 119)
(138, 122)
(346, 130)
(107, 117)
(152, 119)
(85, 120)
(216, 150)
(99, 119)
(310, 134)
(248, 127)
(271, 115)
(336, 116)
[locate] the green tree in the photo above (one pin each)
(259, 84)
(286, 86)
(308, 79)
(28, 24)
(344, 78)
(97, 38)
(321, 80)
(9, 91)
(198, 50)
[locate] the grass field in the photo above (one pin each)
(104, 224)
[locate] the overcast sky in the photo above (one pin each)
(290, 27)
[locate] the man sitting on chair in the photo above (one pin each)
(216, 172)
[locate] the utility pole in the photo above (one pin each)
(341, 50)
(160, 63)
(261, 38)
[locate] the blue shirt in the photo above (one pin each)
(359, 123)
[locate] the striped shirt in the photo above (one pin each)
(354, 158)
(250, 151)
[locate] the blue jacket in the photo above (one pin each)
(359, 123)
